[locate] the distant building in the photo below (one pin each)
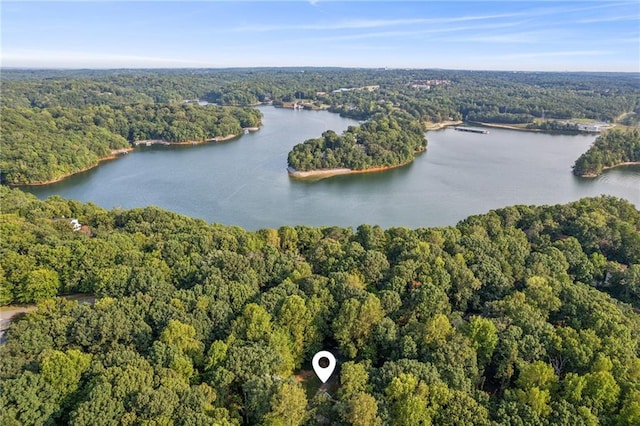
(427, 84)
(420, 86)
(75, 223)
(592, 127)
(345, 89)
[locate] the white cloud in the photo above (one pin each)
(412, 33)
(356, 24)
(609, 19)
(507, 38)
(560, 53)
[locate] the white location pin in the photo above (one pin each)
(323, 373)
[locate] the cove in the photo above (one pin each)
(244, 182)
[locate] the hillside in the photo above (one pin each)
(524, 315)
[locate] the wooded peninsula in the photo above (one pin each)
(609, 150)
(44, 144)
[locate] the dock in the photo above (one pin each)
(471, 130)
(149, 142)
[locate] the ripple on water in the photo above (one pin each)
(623, 176)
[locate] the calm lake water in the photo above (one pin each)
(244, 182)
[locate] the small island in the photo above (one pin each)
(382, 143)
(611, 149)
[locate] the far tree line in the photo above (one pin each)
(95, 112)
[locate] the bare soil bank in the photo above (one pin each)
(626, 163)
(325, 173)
(441, 125)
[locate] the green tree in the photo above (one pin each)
(536, 381)
(38, 285)
(28, 399)
(361, 410)
(288, 405)
(182, 336)
(407, 401)
(354, 379)
(630, 411)
(484, 338)
(63, 370)
(101, 407)
(296, 320)
(354, 323)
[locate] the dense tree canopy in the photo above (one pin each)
(383, 141)
(429, 95)
(524, 315)
(610, 149)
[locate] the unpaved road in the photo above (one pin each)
(8, 313)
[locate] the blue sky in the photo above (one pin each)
(498, 35)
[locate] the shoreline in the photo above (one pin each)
(326, 173)
(506, 127)
(301, 106)
(623, 164)
(534, 130)
(116, 153)
(442, 124)
(195, 142)
(113, 156)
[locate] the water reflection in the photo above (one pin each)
(244, 182)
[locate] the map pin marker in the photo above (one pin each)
(323, 373)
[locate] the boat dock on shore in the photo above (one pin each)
(471, 130)
(149, 142)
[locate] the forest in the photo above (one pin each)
(522, 316)
(505, 97)
(609, 150)
(43, 144)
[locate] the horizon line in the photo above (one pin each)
(134, 68)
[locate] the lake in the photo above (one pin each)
(244, 182)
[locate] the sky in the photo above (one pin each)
(477, 35)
